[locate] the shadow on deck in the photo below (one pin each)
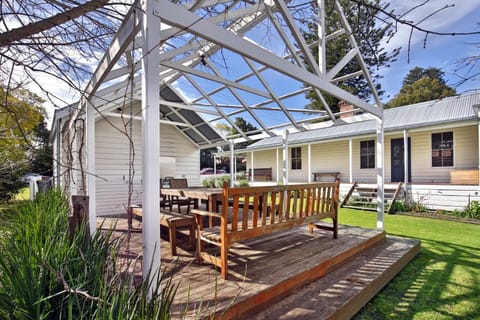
(314, 276)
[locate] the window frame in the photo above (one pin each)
(296, 158)
(370, 153)
(445, 146)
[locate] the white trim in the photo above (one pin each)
(350, 160)
(406, 156)
(91, 168)
(380, 175)
(309, 162)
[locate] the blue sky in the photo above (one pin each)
(443, 52)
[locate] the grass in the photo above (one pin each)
(442, 282)
(23, 194)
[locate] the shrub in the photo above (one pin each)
(47, 273)
(243, 183)
(472, 210)
(399, 206)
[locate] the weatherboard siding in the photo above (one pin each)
(112, 159)
(266, 159)
(330, 156)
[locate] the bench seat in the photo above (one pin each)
(172, 221)
(269, 209)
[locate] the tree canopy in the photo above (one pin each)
(421, 85)
(21, 121)
(368, 35)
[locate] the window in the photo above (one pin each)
(296, 158)
(367, 154)
(442, 149)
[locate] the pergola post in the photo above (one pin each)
(91, 184)
(214, 164)
(252, 178)
(350, 160)
(285, 157)
(232, 159)
(277, 167)
(380, 175)
(405, 159)
(151, 140)
(309, 162)
(322, 61)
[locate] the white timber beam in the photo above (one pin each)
(120, 42)
(322, 57)
(91, 168)
(285, 156)
(350, 160)
(181, 18)
(405, 158)
(232, 159)
(309, 162)
(151, 141)
(380, 175)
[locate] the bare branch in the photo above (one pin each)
(45, 24)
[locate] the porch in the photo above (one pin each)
(322, 277)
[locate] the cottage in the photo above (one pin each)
(440, 137)
(118, 159)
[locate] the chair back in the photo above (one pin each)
(178, 183)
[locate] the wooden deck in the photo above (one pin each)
(314, 276)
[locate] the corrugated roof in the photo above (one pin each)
(443, 111)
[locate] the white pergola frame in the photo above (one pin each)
(173, 41)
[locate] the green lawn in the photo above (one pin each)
(442, 282)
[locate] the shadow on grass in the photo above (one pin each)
(442, 282)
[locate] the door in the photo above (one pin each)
(398, 161)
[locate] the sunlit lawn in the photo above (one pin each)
(23, 194)
(442, 282)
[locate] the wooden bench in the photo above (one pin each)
(317, 176)
(172, 221)
(268, 209)
(265, 174)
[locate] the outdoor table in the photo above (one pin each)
(212, 195)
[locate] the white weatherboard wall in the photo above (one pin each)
(264, 159)
(112, 158)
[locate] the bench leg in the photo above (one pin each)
(310, 228)
(224, 257)
(172, 237)
(192, 235)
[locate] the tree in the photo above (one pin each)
(42, 156)
(56, 38)
(421, 85)
(368, 35)
(20, 115)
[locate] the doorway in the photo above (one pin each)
(398, 161)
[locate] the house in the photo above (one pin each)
(441, 162)
(183, 133)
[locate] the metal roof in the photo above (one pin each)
(425, 114)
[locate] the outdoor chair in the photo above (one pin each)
(178, 200)
(164, 200)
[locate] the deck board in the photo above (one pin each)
(268, 268)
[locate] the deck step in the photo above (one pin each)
(361, 208)
(342, 293)
(367, 194)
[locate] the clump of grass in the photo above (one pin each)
(48, 273)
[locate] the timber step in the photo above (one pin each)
(364, 196)
(343, 292)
